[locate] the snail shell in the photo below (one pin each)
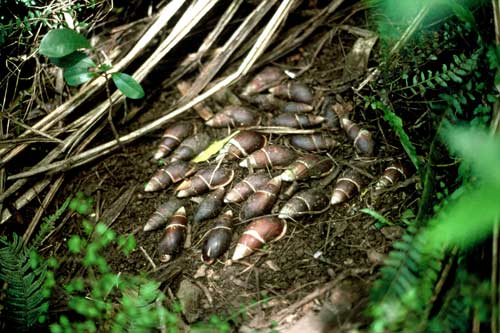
(218, 239)
(362, 139)
(346, 187)
(242, 190)
(210, 206)
(294, 91)
(191, 147)
(268, 157)
(393, 173)
(268, 77)
(170, 174)
(297, 120)
(206, 179)
(313, 142)
(162, 214)
(306, 166)
(258, 233)
(174, 235)
(262, 201)
(234, 116)
(312, 201)
(172, 137)
(241, 145)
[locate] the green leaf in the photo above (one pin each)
(128, 85)
(76, 75)
(73, 59)
(61, 42)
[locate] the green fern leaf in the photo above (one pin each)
(25, 300)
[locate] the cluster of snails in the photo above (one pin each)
(258, 192)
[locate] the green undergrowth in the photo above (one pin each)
(445, 73)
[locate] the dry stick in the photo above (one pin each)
(192, 15)
(301, 33)
(25, 198)
(105, 148)
(34, 130)
(211, 69)
(41, 210)
(69, 106)
(203, 111)
(189, 19)
(191, 60)
(213, 35)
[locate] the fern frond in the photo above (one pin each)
(454, 72)
(48, 224)
(25, 300)
(406, 285)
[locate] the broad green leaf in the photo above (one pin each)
(127, 85)
(75, 75)
(73, 59)
(213, 149)
(471, 216)
(61, 42)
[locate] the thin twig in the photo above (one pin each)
(42, 209)
(148, 258)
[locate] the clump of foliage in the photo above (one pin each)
(426, 284)
(63, 47)
(102, 299)
(25, 276)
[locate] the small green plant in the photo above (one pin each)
(27, 277)
(63, 47)
(106, 301)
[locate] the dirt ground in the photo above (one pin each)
(287, 279)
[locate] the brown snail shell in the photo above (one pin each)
(268, 157)
(234, 116)
(297, 107)
(211, 206)
(267, 102)
(162, 214)
(218, 239)
(250, 184)
(262, 201)
(393, 173)
(313, 142)
(206, 179)
(174, 235)
(307, 166)
(241, 145)
(268, 77)
(346, 187)
(305, 202)
(172, 137)
(170, 174)
(362, 139)
(294, 91)
(297, 120)
(191, 147)
(258, 233)
(327, 111)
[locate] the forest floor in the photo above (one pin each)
(323, 261)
